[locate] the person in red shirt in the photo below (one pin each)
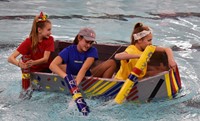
(38, 46)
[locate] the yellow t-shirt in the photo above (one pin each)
(128, 65)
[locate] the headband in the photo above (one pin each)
(42, 17)
(142, 34)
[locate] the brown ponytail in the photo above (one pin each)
(34, 32)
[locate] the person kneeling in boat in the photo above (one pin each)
(79, 58)
(141, 37)
(38, 46)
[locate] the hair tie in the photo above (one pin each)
(42, 17)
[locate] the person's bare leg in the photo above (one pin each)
(111, 66)
(105, 69)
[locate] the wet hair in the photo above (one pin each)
(76, 41)
(34, 32)
(139, 27)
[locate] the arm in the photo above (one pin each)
(87, 64)
(125, 56)
(170, 56)
(42, 60)
(48, 46)
(12, 59)
(55, 67)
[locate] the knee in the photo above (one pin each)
(111, 63)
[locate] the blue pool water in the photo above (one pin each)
(175, 23)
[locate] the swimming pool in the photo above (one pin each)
(173, 23)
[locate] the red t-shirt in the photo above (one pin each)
(46, 45)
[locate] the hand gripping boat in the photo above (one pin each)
(159, 83)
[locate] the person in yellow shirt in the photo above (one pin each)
(141, 37)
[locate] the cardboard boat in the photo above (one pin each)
(159, 83)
